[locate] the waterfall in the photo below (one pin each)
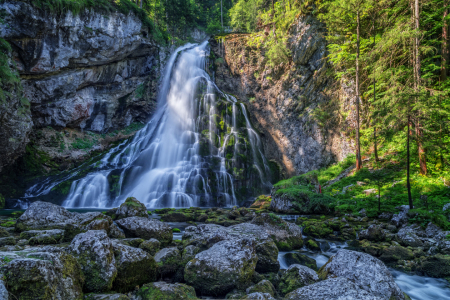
(199, 149)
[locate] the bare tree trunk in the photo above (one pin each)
(141, 3)
(358, 148)
(375, 144)
(221, 14)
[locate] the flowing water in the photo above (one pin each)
(199, 149)
(417, 287)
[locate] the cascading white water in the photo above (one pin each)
(193, 152)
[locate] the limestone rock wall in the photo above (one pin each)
(303, 115)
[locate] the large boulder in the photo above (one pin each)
(151, 246)
(44, 216)
(165, 291)
(332, 289)
(226, 265)
(264, 286)
(408, 236)
(206, 235)
(45, 276)
(365, 271)
(437, 266)
(131, 208)
(95, 253)
(134, 267)
(296, 276)
(146, 228)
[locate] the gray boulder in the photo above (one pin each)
(95, 253)
(166, 291)
(146, 228)
(45, 276)
(296, 276)
(407, 236)
(223, 267)
(134, 267)
(365, 271)
(332, 289)
(402, 217)
(264, 286)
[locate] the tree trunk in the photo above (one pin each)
(375, 145)
(221, 14)
(408, 181)
(419, 131)
(141, 3)
(358, 148)
(445, 44)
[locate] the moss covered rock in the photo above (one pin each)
(131, 208)
(7, 241)
(317, 229)
(165, 291)
(312, 245)
(168, 261)
(46, 276)
(134, 267)
(146, 228)
(395, 253)
(223, 267)
(437, 266)
(296, 276)
(94, 251)
(151, 246)
(300, 259)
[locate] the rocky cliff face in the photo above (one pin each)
(87, 71)
(304, 115)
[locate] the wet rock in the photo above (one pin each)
(332, 289)
(166, 291)
(402, 217)
(146, 228)
(312, 245)
(43, 214)
(374, 233)
(189, 253)
(296, 276)
(46, 276)
(168, 261)
(95, 253)
(134, 267)
(223, 267)
(131, 208)
(267, 253)
(264, 286)
(151, 246)
(365, 271)
(43, 237)
(300, 259)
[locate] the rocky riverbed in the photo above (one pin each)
(125, 253)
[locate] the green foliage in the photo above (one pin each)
(244, 15)
(176, 230)
(85, 143)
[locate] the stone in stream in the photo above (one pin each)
(437, 266)
(44, 276)
(106, 297)
(134, 267)
(259, 296)
(367, 272)
(146, 228)
(374, 233)
(165, 291)
(300, 259)
(332, 289)
(223, 267)
(95, 253)
(130, 208)
(296, 276)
